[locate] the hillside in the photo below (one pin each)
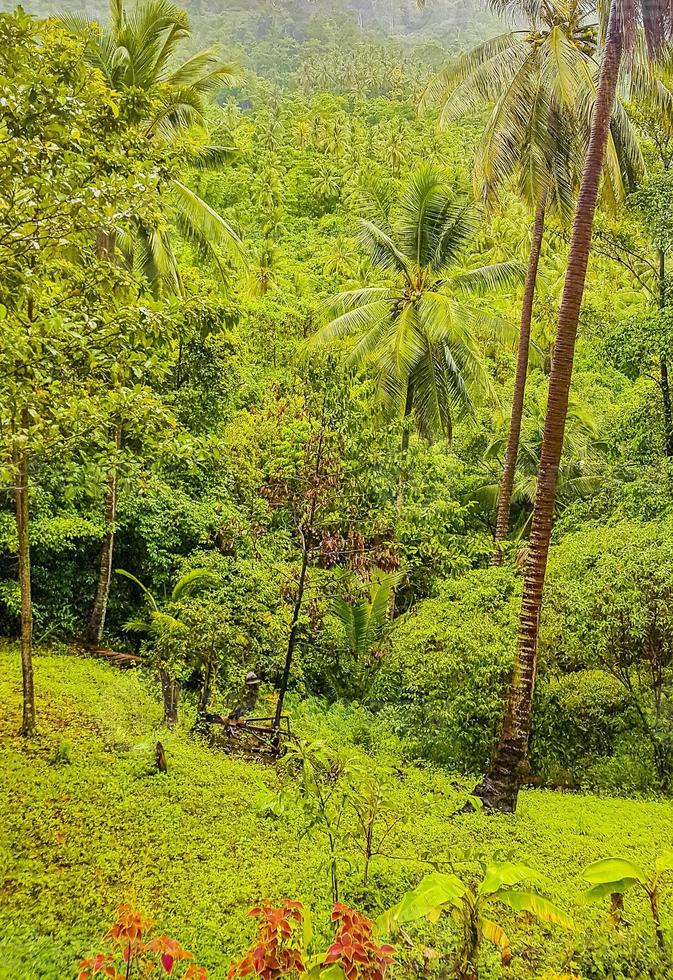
(86, 822)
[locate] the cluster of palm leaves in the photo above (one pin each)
(582, 469)
(418, 325)
(139, 51)
(368, 624)
(540, 82)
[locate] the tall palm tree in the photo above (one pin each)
(540, 83)
(499, 788)
(416, 326)
(139, 49)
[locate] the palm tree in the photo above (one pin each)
(416, 325)
(368, 625)
(540, 81)
(581, 470)
(139, 50)
(164, 630)
(499, 788)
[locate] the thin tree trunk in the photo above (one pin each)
(663, 365)
(500, 787)
(28, 724)
(404, 445)
(512, 451)
(96, 623)
(294, 632)
(169, 691)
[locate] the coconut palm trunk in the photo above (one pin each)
(499, 789)
(96, 623)
(512, 451)
(404, 445)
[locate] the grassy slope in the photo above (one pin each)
(190, 848)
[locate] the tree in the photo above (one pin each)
(137, 55)
(499, 789)
(69, 162)
(167, 636)
(414, 327)
(581, 468)
(645, 258)
(541, 82)
(472, 905)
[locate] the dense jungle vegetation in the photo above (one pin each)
(336, 503)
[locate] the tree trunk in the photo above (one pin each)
(404, 445)
(294, 631)
(206, 689)
(512, 451)
(169, 691)
(663, 364)
(96, 623)
(500, 787)
(21, 503)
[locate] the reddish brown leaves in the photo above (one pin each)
(274, 955)
(132, 942)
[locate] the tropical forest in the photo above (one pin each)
(336, 489)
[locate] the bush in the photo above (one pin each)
(609, 607)
(448, 668)
(577, 721)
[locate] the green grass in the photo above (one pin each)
(86, 822)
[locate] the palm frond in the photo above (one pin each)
(202, 225)
(193, 581)
(441, 85)
(148, 595)
(381, 248)
(204, 71)
(500, 275)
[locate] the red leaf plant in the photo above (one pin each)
(276, 953)
(136, 951)
(354, 948)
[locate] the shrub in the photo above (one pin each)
(610, 606)
(135, 951)
(448, 668)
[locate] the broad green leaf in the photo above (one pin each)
(599, 892)
(307, 928)
(433, 893)
(540, 907)
(664, 862)
(612, 870)
(501, 874)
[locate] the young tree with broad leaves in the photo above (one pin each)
(69, 164)
(138, 56)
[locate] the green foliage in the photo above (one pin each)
(113, 847)
(448, 666)
(471, 904)
(625, 631)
